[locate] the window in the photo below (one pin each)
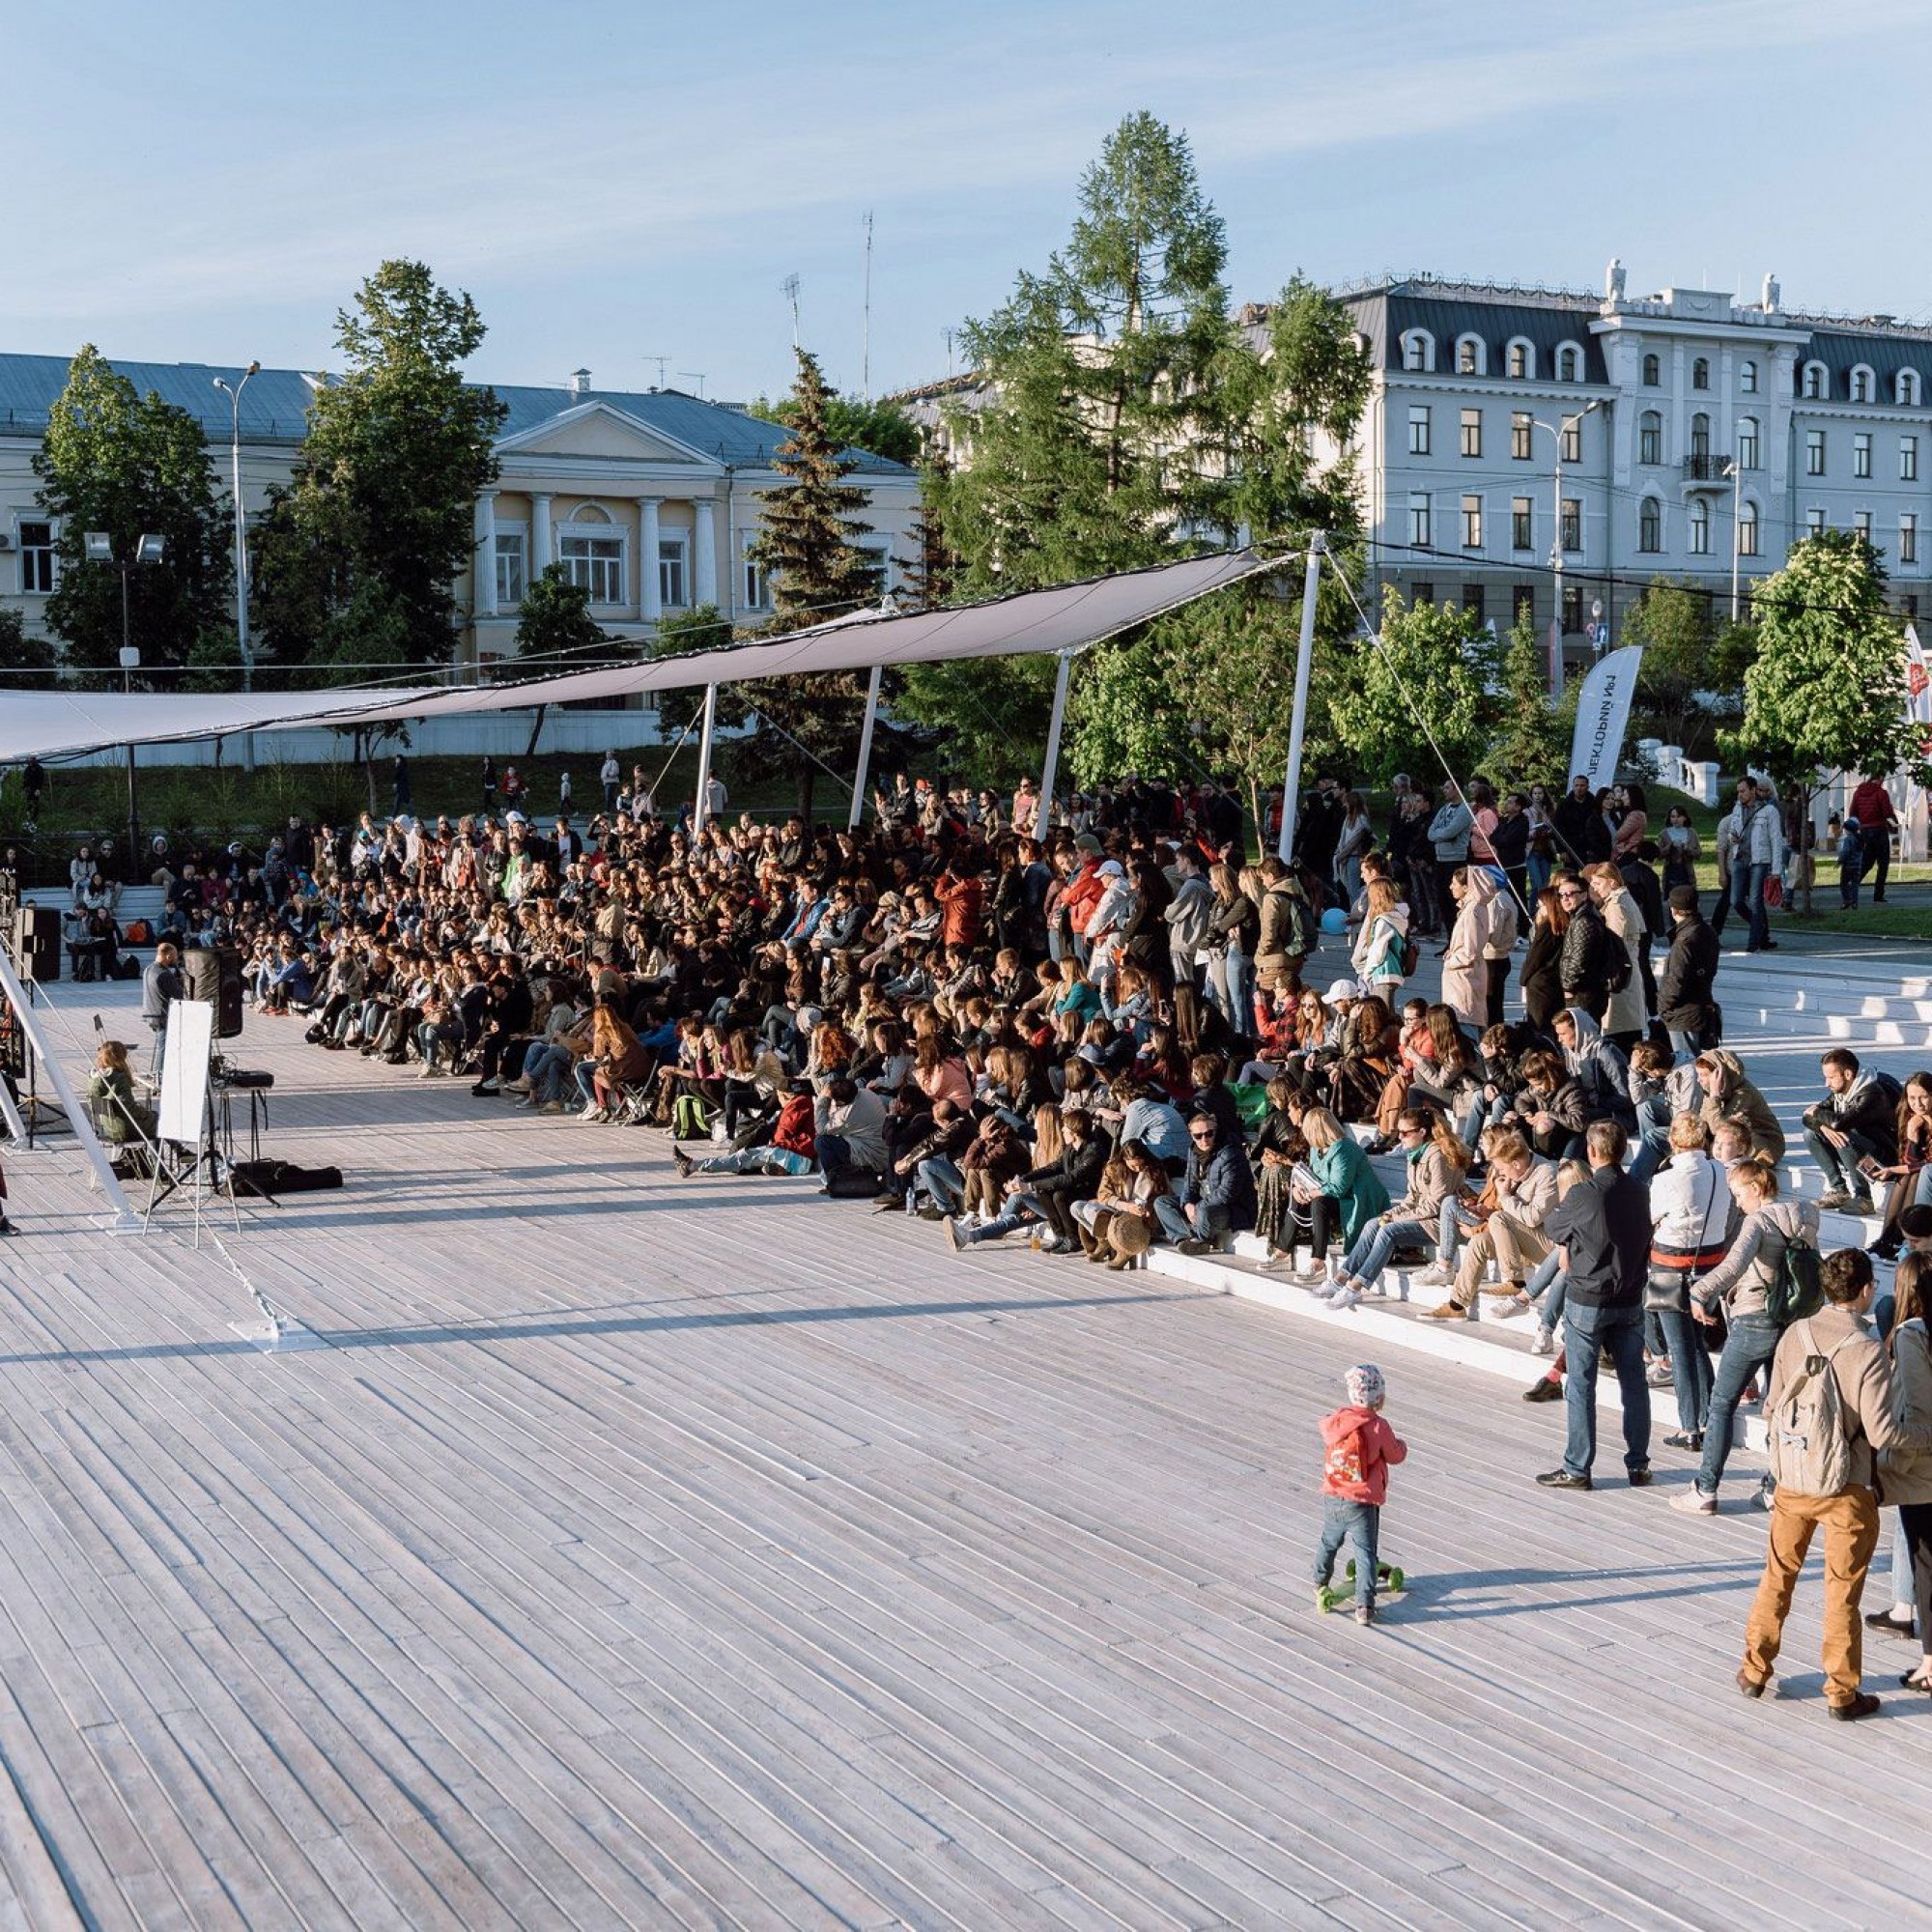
(1746, 443)
(1861, 453)
(1908, 459)
(1521, 434)
(1650, 436)
(1472, 523)
(1572, 537)
(1697, 528)
(1522, 523)
(1748, 377)
(1469, 356)
(1861, 384)
(1573, 609)
(1423, 593)
(1472, 432)
(1700, 373)
(1653, 373)
(1521, 361)
(1747, 529)
(1569, 363)
(1522, 604)
(1700, 436)
(878, 556)
(595, 565)
(755, 586)
(1811, 382)
(1908, 537)
(512, 575)
(1473, 603)
(1418, 519)
(1815, 452)
(1905, 388)
(1908, 607)
(1862, 524)
(1814, 522)
(1573, 439)
(39, 567)
(673, 593)
(1650, 524)
(1418, 429)
(1418, 350)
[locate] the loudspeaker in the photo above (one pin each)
(213, 972)
(37, 943)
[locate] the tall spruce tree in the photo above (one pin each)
(379, 515)
(808, 545)
(130, 465)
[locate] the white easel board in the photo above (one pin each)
(184, 1055)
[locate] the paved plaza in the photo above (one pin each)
(639, 1554)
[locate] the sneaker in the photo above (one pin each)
(1434, 1275)
(1364, 1615)
(1836, 1201)
(551, 1107)
(1445, 1311)
(954, 1236)
(591, 1111)
(1193, 1245)
(1641, 1479)
(1345, 1298)
(1657, 1375)
(1562, 1479)
(1863, 1705)
(528, 1100)
(1545, 1342)
(683, 1162)
(1517, 1304)
(1544, 1390)
(1693, 1501)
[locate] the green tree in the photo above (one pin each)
(26, 660)
(1124, 413)
(1435, 662)
(880, 429)
(555, 630)
(809, 543)
(681, 634)
(385, 489)
(130, 465)
(1672, 623)
(1827, 692)
(1531, 745)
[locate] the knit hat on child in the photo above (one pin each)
(1364, 1385)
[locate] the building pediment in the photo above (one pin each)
(598, 431)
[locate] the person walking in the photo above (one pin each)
(1760, 852)
(1358, 1450)
(1603, 1226)
(1878, 820)
(610, 775)
(1831, 1411)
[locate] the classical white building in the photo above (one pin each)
(1685, 433)
(649, 502)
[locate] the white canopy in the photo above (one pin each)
(1066, 618)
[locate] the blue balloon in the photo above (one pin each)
(1334, 920)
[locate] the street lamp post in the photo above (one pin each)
(1555, 433)
(234, 395)
(98, 548)
(1737, 529)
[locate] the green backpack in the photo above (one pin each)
(1795, 1293)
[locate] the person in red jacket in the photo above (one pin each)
(791, 1149)
(1358, 1450)
(1878, 819)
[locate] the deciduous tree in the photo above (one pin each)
(1435, 662)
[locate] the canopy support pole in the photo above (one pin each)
(126, 1220)
(865, 750)
(702, 810)
(1298, 729)
(1051, 772)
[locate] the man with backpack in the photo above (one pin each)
(1829, 1406)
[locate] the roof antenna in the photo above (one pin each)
(660, 362)
(866, 336)
(693, 376)
(789, 288)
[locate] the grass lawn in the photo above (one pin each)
(1870, 921)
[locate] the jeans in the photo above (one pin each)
(766, 1159)
(544, 1068)
(1377, 1242)
(1840, 1165)
(943, 1179)
(1548, 1287)
(1209, 1223)
(1748, 881)
(1586, 1329)
(1019, 1210)
(1749, 1347)
(1690, 1367)
(1850, 1523)
(1359, 1526)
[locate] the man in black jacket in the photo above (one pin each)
(1684, 1002)
(1603, 1226)
(1856, 1119)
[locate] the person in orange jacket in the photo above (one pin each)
(1358, 1450)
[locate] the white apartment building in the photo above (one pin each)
(650, 501)
(1679, 434)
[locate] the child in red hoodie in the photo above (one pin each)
(1358, 1450)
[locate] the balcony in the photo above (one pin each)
(1706, 469)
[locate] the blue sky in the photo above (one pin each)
(208, 182)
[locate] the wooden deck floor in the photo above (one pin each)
(641, 1553)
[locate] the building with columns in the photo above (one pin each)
(650, 501)
(1687, 434)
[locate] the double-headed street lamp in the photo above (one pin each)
(1574, 421)
(98, 548)
(234, 394)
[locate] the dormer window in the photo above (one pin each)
(1812, 383)
(1418, 352)
(1905, 388)
(1862, 384)
(1470, 360)
(1521, 361)
(1569, 363)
